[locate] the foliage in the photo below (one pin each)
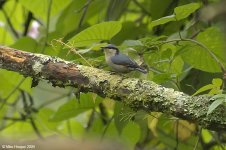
(180, 49)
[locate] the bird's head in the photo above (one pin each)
(110, 49)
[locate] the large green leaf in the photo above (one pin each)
(200, 58)
(40, 7)
(180, 12)
(96, 33)
(131, 134)
(185, 10)
(25, 44)
(10, 80)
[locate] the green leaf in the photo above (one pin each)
(5, 38)
(162, 20)
(76, 128)
(19, 130)
(185, 10)
(73, 108)
(200, 58)
(10, 80)
(217, 82)
(132, 43)
(219, 96)
(43, 117)
(216, 44)
(25, 44)
(214, 105)
(39, 7)
(131, 134)
(96, 33)
(204, 88)
(161, 78)
(122, 115)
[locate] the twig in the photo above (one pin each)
(85, 8)
(142, 8)
(107, 126)
(199, 136)
(10, 24)
(47, 25)
(35, 128)
(91, 119)
(69, 128)
(72, 49)
(11, 93)
(27, 23)
(52, 101)
(177, 138)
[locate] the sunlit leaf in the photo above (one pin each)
(217, 82)
(204, 88)
(185, 129)
(185, 10)
(214, 105)
(163, 20)
(96, 33)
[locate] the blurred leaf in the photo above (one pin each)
(5, 38)
(185, 10)
(206, 135)
(18, 131)
(181, 12)
(215, 104)
(57, 5)
(162, 20)
(185, 129)
(204, 88)
(25, 44)
(10, 80)
(72, 108)
(132, 43)
(131, 134)
(76, 129)
(129, 31)
(153, 121)
(161, 78)
(122, 115)
(96, 33)
(16, 15)
(116, 8)
(43, 117)
(69, 18)
(217, 82)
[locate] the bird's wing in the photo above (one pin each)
(124, 60)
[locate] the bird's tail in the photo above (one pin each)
(142, 70)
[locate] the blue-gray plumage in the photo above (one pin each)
(120, 62)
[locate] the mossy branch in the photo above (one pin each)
(137, 94)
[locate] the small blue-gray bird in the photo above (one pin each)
(119, 62)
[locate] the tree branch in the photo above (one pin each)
(137, 94)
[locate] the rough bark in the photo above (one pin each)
(136, 93)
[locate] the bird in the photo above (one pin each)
(119, 62)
